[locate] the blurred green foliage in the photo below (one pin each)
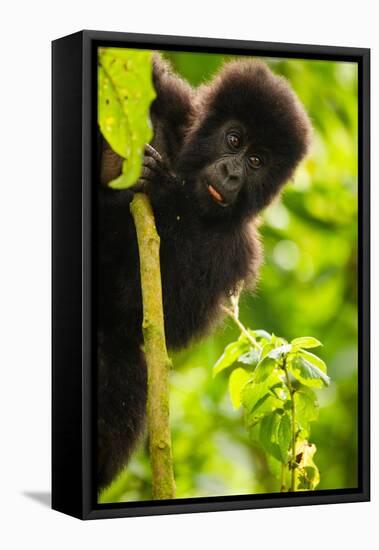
(307, 286)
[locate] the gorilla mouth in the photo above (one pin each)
(216, 196)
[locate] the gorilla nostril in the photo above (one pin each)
(224, 170)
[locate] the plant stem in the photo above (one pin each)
(242, 328)
(158, 362)
(293, 429)
(282, 478)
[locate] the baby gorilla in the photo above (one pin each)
(220, 154)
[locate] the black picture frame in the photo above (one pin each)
(74, 88)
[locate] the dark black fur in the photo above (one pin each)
(208, 245)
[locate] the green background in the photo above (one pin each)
(307, 286)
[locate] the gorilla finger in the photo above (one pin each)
(147, 172)
(152, 164)
(153, 153)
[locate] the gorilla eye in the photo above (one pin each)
(234, 141)
(255, 161)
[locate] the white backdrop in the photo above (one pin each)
(27, 29)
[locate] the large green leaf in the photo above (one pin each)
(319, 363)
(267, 347)
(284, 436)
(270, 358)
(237, 381)
(125, 92)
(259, 399)
(268, 434)
(231, 353)
(264, 369)
(307, 373)
(306, 407)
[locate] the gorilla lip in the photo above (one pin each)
(216, 196)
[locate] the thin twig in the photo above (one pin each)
(242, 328)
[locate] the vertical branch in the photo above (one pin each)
(158, 362)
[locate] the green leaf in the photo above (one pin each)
(307, 474)
(274, 466)
(306, 407)
(253, 430)
(270, 357)
(125, 92)
(250, 358)
(284, 436)
(259, 399)
(307, 373)
(306, 342)
(261, 334)
(231, 353)
(314, 359)
(264, 368)
(237, 381)
(268, 435)
(267, 348)
(280, 352)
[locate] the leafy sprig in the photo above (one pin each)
(273, 381)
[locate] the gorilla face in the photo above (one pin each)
(235, 170)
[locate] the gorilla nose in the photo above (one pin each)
(233, 183)
(230, 178)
